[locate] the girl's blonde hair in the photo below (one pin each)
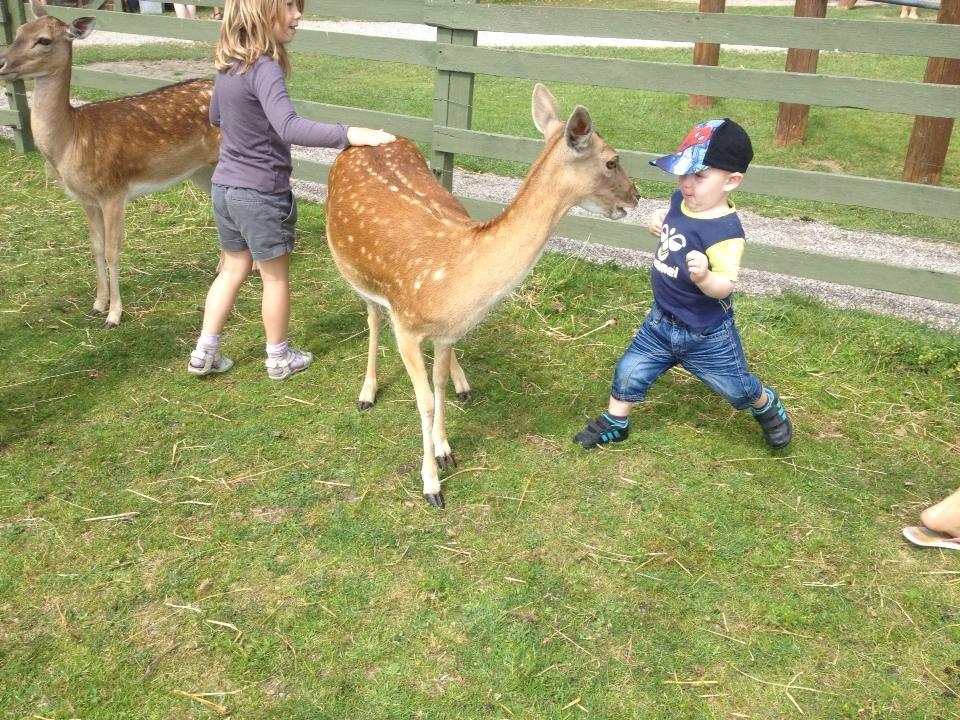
(247, 33)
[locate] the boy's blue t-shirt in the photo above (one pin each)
(673, 290)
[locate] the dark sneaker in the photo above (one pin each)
(601, 431)
(777, 428)
(203, 362)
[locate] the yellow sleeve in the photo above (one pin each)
(725, 257)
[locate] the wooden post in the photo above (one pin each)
(792, 118)
(706, 53)
(930, 137)
(452, 100)
(13, 17)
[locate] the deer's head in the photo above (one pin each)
(593, 167)
(43, 46)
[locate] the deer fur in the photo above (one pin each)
(405, 244)
(107, 153)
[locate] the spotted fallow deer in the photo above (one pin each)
(405, 244)
(107, 153)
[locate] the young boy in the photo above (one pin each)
(695, 269)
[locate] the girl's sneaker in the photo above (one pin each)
(293, 362)
(204, 362)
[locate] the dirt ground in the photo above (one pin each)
(174, 70)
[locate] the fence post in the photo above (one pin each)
(452, 100)
(16, 91)
(706, 53)
(930, 137)
(792, 118)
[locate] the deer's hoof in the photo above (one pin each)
(109, 325)
(445, 462)
(364, 405)
(94, 313)
(465, 396)
(435, 499)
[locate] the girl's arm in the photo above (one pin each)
(272, 92)
(271, 89)
(214, 109)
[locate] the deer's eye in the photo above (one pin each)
(43, 41)
(612, 164)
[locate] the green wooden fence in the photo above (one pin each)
(456, 59)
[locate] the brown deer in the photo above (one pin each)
(105, 154)
(405, 244)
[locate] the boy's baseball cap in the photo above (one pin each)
(715, 143)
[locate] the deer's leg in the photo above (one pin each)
(113, 214)
(460, 383)
(368, 393)
(409, 346)
(95, 226)
(442, 367)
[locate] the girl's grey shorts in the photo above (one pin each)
(251, 220)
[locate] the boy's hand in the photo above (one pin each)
(698, 266)
(366, 136)
(656, 222)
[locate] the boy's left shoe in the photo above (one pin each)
(774, 420)
(601, 431)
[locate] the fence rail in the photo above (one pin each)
(456, 61)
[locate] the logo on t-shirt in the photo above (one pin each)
(670, 241)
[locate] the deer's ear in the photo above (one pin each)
(81, 27)
(38, 9)
(545, 110)
(579, 129)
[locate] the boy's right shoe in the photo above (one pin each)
(600, 431)
(774, 420)
(204, 362)
(293, 361)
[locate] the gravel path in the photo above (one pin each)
(816, 237)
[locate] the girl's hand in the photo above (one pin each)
(697, 265)
(366, 136)
(656, 222)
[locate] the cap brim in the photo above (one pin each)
(679, 164)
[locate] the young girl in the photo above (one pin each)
(253, 207)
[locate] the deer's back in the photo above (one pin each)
(143, 140)
(391, 187)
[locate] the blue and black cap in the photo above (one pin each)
(720, 144)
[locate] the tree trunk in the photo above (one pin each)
(931, 136)
(706, 53)
(792, 118)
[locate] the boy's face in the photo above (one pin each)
(708, 189)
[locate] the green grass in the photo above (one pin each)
(845, 141)
(280, 552)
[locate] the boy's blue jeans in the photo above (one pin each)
(714, 355)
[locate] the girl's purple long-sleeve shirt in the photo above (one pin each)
(258, 125)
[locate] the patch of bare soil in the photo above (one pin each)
(172, 70)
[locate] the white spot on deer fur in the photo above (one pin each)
(417, 284)
(438, 275)
(394, 188)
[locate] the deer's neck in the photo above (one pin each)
(522, 230)
(52, 117)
